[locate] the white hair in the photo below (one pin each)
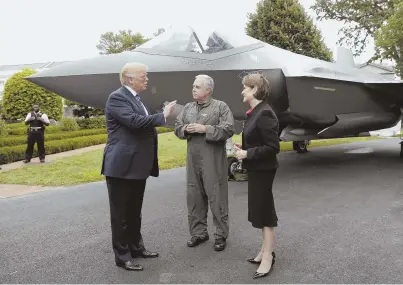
(207, 80)
(131, 69)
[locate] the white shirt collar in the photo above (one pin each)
(131, 90)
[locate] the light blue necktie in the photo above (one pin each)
(139, 100)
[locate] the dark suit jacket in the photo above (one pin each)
(260, 139)
(131, 151)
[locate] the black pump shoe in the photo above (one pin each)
(252, 260)
(260, 275)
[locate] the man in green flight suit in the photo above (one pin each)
(206, 124)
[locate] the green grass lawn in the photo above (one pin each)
(86, 167)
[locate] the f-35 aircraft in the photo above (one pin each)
(313, 99)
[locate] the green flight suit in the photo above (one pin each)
(206, 164)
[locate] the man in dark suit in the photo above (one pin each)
(130, 157)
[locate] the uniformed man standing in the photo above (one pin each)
(206, 124)
(36, 133)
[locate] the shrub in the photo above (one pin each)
(23, 130)
(3, 128)
(69, 124)
(20, 95)
(92, 123)
(22, 140)
(16, 125)
(16, 153)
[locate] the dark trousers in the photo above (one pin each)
(37, 137)
(126, 201)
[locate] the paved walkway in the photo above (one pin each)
(10, 190)
(340, 212)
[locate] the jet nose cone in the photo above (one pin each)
(87, 81)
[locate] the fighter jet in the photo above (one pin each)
(313, 99)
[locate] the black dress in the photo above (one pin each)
(260, 140)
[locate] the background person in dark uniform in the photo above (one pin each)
(36, 133)
(260, 146)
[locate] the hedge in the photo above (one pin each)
(58, 129)
(23, 130)
(18, 140)
(92, 123)
(15, 153)
(3, 128)
(10, 154)
(15, 125)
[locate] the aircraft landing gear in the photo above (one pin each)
(235, 170)
(300, 146)
(401, 149)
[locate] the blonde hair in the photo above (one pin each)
(131, 69)
(260, 82)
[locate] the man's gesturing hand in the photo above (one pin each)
(169, 108)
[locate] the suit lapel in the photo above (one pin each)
(133, 100)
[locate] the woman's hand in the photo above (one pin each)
(240, 154)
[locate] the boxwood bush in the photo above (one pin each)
(69, 124)
(10, 154)
(3, 128)
(23, 130)
(92, 123)
(19, 140)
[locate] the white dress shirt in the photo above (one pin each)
(135, 94)
(44, 117)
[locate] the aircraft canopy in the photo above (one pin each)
(185, 39)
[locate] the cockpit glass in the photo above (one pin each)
(185, 39)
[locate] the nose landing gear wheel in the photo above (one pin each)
(300, 146)
(235, 170)
(232, 165)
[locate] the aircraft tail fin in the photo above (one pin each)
(345, 57)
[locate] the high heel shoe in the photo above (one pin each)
(260, 275)
(252, 260)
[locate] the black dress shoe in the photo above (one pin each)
(195, 241)
(252, 260)
(260, 275)
(220, 244)
(145, 254)
(129, 265)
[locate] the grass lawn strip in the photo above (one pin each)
(86, 167)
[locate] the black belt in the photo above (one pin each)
(35, 128)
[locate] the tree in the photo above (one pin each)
(20, 95)
(389, 38)
(119, 42)
(284, 24)
(362, 18)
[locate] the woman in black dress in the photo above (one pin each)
(260, 146)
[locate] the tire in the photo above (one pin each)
(231, 161)
(300, 146)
